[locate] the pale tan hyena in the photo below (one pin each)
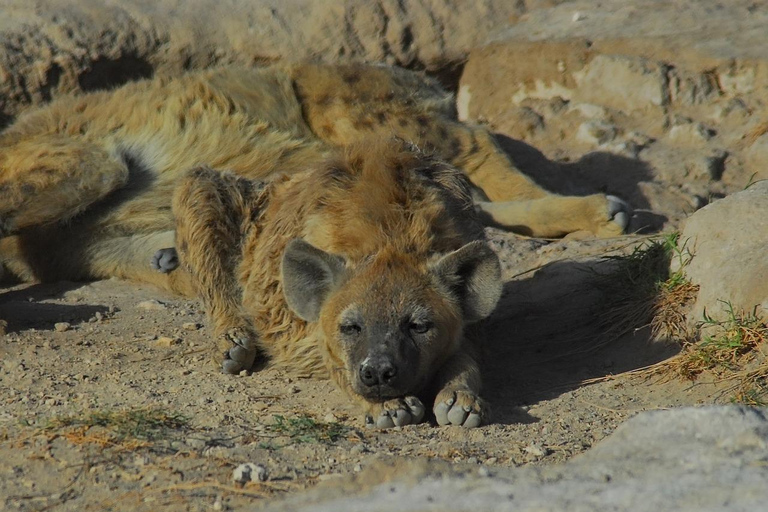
(323, 213)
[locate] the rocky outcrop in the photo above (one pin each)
(662, 103)
(687, 460)
(55, 46)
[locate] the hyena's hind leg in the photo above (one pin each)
(345, 104)
(46, 178)
(212, 211)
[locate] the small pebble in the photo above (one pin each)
(536, 450)
(62, 326)
(151, 305)
(191, 326)
(249, 472)
(167, 341)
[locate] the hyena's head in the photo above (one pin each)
(390, 321)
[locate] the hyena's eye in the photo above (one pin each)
(420, 327)
(350, 329)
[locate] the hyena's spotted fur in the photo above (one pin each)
(230, 165)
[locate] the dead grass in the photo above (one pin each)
(734, 349)
(125, 429)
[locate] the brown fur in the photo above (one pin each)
(92, 186)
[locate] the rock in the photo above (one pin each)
(589, 111)
(689, 89)
(167, 341)
(151, 305)
(688, 460)
(623, 82)
(729, 262)
(249, 472)
(705, 167)
(523, 122)
(3, 327)
(62, 326)
(756, 156)
(688, 134)
(535, 449)
(191, 326)
(595, 133)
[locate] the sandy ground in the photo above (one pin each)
(73, 349)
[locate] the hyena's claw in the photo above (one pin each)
(165, 260)
(396, 413)
(459, 408)
(619, 211)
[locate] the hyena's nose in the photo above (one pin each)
(376, 371)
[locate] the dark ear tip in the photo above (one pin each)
(298, 249)
(296, 243)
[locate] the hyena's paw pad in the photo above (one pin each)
(235, 350)
(165, 260)
(396, 413)
(461, 408)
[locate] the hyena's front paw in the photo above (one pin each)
(235, 350)
(395, 413)
(165, 260)
(462, 408)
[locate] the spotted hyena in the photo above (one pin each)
(330, 218)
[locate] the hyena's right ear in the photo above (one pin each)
(309, 274)
(473, 274)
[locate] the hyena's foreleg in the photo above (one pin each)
(213, 211)
(458, 399)
(47, 178)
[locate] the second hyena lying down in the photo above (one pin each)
(312, 232)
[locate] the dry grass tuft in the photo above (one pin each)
(305, 429)
(726, 346)
(125, 429)
(644, 292)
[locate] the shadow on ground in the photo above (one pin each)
(25, 308)
(594, 172)
(550, 333)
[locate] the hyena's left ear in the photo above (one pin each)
(309, 274)
(473, 274)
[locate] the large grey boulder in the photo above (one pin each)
(692, 459)
(727, 240)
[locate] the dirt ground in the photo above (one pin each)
(75, 349)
